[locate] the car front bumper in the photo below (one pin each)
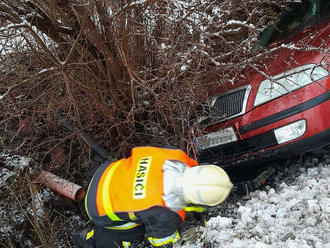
(265, 145)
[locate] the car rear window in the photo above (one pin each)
(296, 18)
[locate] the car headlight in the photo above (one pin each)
(288, 81)
(291, 131)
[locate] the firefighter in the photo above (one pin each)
(147, 195)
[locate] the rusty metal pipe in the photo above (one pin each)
(62, 186)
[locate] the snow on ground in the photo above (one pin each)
(10, 167)
(16, 214)
(292, 214)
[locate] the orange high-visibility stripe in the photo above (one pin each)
(103, 201)
(182, 214)
(106, 201)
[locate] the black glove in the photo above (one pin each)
(199, 218)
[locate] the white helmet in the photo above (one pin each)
(205, 185)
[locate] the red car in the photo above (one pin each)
(284, 110)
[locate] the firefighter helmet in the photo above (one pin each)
(205, 185)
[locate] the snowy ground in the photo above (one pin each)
(16, 214)
(293, 213)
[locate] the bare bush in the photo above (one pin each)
(128, 73)
(125, 73)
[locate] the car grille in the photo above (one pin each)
(230, 104)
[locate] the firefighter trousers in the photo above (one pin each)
(101, 237)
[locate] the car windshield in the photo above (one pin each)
(297, 17)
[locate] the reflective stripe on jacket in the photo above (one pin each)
(171, 239)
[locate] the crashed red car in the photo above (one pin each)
(281, 111)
